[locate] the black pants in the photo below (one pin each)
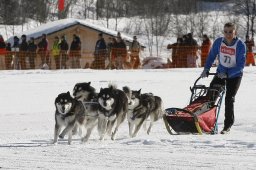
(232, 86)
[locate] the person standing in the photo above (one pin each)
(205, 48)
(15, 50)
(23, 52)
(176, 53)
(2, 43)
(100, 53)
(121, 53)
(43, 52)
(231, 52)
(63, 52)
(32, 47)
(112, 53)
(75, 52)
(192, 53)
(2, 51)
(135, 51)
(56, 51)
(249, 55)
(8, 57)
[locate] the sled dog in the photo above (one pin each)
(140, 108)
(85, 93)
(69, 113)
(112, 110)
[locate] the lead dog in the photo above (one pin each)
(141, 107)
(113, 109)
(69, 113)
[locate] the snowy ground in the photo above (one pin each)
(27, 122)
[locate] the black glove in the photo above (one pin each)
(205, 73)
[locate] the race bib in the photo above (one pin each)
(227, 55)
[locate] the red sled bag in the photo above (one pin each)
(201, 115)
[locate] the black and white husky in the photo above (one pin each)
(86, 94)
(113, 109)
(69, 114)
(140, 108)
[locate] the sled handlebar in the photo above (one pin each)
(212, 74)
(209, 74)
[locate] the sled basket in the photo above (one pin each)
(200, 116)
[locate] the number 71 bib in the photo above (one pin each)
(227, 55)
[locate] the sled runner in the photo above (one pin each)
(201, 115)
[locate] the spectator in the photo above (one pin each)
(8, 57)
(249, 55)
(176, 53)
(56, 51)
(2, 43)
(121, 53)
(63, 52)
(75, 52)
(23, 52)
(43, 52)
(32, 47)
(183, 51)
(15, 49)
(2, 48)
(205, 48)
(100, 53)
(112, 52)
(135, 51)
(192, 54)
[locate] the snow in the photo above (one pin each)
(27, 123)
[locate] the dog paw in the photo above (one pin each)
(54, 142)
(61, 137)
(84, 140)
(134, 135)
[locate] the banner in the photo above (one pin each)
(61, 5)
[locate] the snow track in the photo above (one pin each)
(27, 121)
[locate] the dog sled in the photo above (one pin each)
(201, 115)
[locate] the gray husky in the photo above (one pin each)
(140, 108)
(86, 94)
(69, 113)
(113, 109)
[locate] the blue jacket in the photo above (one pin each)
(231, 72)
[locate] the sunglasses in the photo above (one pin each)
(228, 32)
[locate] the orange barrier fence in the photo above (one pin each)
(104, 59)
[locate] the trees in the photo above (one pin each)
(9, 12)
(248, 9)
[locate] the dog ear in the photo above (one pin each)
(139, 91)
(68, 93)
(111, 88)
(89, 83)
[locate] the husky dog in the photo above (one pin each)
(69, 113)
(140, 107)
(85, 93)
(113, 108)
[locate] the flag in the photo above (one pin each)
(61, 5)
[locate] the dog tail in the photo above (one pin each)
(128, 92)
(112, 85)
